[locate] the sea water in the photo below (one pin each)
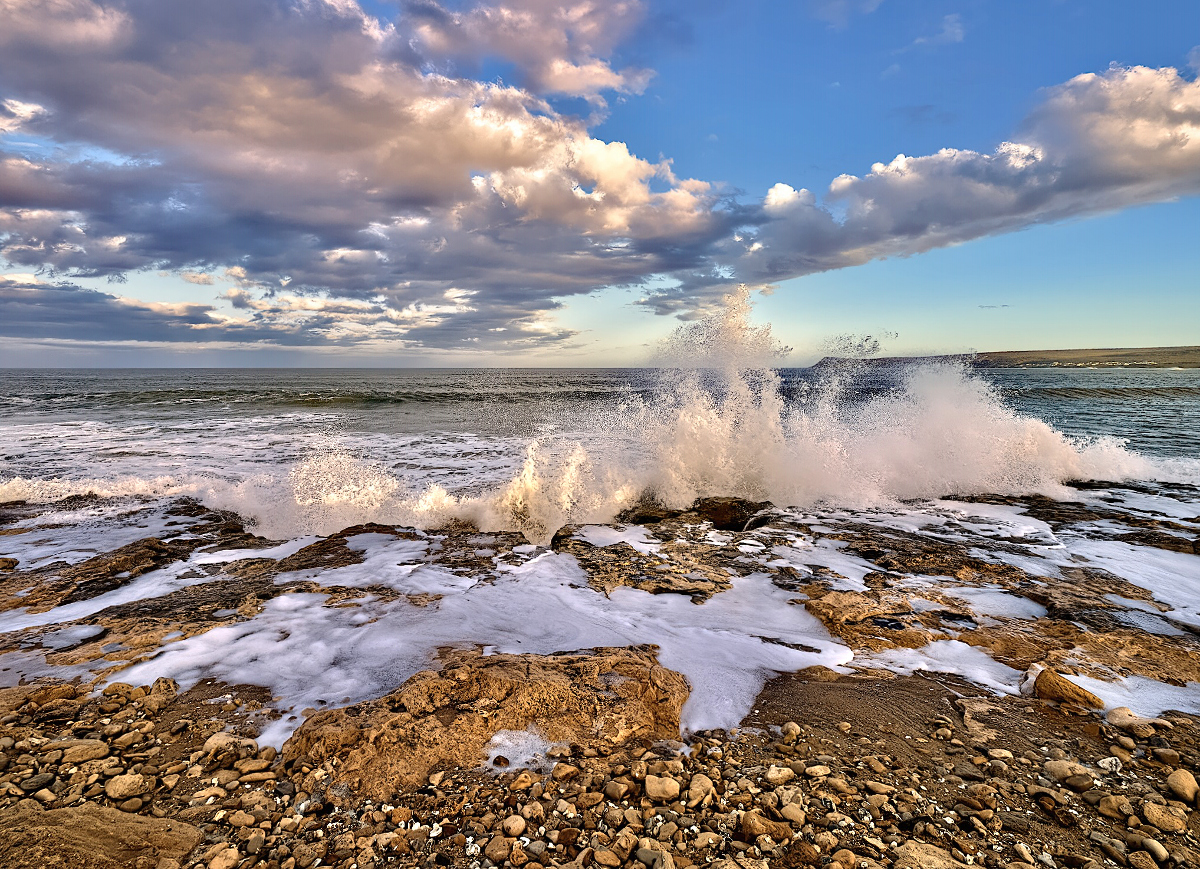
(300, 453)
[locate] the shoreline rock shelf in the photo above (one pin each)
(575, 758)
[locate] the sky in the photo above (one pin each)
(319, 182)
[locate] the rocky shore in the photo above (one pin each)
(874, 765)
(920, 772)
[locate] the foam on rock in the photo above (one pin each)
(605, 697)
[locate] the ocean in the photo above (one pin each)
(91, 461)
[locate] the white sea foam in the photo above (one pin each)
(721, 429)
(314, 655)
(1144, 696)
(949, 656)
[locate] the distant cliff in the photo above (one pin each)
(1123, 357)
(1117, 357)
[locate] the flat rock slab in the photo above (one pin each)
(444, 719)
(89, 835)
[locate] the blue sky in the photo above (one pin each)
(536, 182)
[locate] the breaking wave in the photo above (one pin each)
(718, 422)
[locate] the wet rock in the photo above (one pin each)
(729, 514)
(442, 719)
(111, 570)
(1049, 685)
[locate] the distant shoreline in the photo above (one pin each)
(1129, 357)
(1120, 357)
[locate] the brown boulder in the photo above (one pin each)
(437, 720)
(1051, 686)
(89, 835)
(754, 825)
(729, 514)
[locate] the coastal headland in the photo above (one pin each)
(1119, 357)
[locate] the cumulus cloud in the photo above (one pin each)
(308, 144)
(1099, 142)
(559, 47)
(352, 177)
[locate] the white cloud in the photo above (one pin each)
(839, 12)
(1096, 143)
(952, 31)
(359, 164)
(197, 278)
(14, 114)
(561, 47)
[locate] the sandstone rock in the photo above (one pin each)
(700, 790)
(790, 732)
(1116, 807)
(1157, 851)
(564, 772)
(918, 855)
(226, 858)
(498, 849)
(123, 787)
(1049, 685)
(1124, 718)
(794, 814)
(753, 825)
(661, 789)
(222, 741)
(83, 750)
(816, 770)
(1142, 860)
(513, 825)
(604, 698)
(90, 835)
(1061, 770)
(1183, 784)
(778, 775)
(1163, 818)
